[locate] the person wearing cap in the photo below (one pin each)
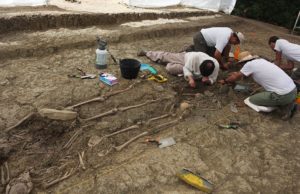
(280, 90)
(193, 65)
(216, 41)
(290, 51)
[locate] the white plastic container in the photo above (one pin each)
(101, 58)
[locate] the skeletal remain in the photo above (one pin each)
(75, 135)
(138, 105)
(119, 148)
(72, 139)
(107, 152)
(20, 122)
(115, 110)
(172, 108)
(111, 112)
(65, 176)
(3, 179)
(157, 118)
(166, 124)
(101, 98)
(155, 130)
(123, 130)
(120, 91)
(138, 125)
(20, 185)
(98, 99)
(81, 155)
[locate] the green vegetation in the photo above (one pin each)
(279, 12)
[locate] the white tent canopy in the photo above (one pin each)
(213, 5)
(9, 3)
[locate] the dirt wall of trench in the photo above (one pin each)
(76, 20)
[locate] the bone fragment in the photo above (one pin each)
(66, 175)
(120, 91)
(123, 130)
(72, 139)
(20, 122)
(2, 175)
(111, 112)
(7, 172)
(54, 114)
(81, 155)
(119, 148)
(157, 118)
(98, 99)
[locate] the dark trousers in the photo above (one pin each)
(200, 45)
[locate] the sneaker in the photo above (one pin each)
(141, 53)
(290, 111)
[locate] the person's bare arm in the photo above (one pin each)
(288, 66)
(226, 52)
(278, 58)
(234, 76)
(191, 81)
(218, 56)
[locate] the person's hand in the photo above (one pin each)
(227, 65)
(222, 81)
(233, 73)
(192, 83)
(206, 80)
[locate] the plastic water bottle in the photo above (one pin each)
(101, 54)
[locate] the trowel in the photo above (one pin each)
(162, 143)
(166, 142)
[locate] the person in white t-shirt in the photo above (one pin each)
(290, 51)
(193, 65)
(216, 41)
(280, 88)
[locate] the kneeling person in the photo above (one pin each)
(280, 88)
(194, 65)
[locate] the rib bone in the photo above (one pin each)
(66, 175)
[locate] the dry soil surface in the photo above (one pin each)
(261, 156)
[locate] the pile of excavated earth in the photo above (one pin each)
(63, 134)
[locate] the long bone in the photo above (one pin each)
(119, 148)
(153, 131)
(20, 122)
(101, 98)
(115, 110)
(65, 176)
(138, 125)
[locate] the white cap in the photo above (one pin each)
(240, 36)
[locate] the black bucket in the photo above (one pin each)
(129, 68)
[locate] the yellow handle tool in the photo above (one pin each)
(195, 180)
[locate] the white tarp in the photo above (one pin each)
(10, 3)
(153, 3)
(213, 5)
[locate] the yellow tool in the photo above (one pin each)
(158, 78)
(195, 180)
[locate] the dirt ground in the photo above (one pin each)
(261, 156)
